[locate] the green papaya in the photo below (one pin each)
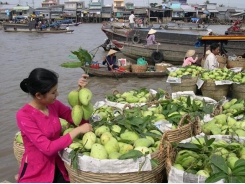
(73, 98)
(87, 111)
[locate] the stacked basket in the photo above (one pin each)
(162, 67)
(222, 59)
(216, 92)
(238, 91)
(188, 83)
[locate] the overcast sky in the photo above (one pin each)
(231, 3)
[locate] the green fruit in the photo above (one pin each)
(86, 153)
(132, 99)
(67, 131)
(88, 140)
(75, 145)
(203, 173)
(178, 166)
(142, 142)
(19, 138)
(114, 155)
(87, 111)
(105, 137)
(99, 131)
(129, 135)
(231, 161)
(124, 148)
(98, 151)
(73, 98)
(143, 149)
(85, 96)
(111, 146)
(77, 114)
(63, 124)
(116, 129)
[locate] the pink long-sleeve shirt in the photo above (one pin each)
(42, 141)
(189, 61)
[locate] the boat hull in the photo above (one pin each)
(14, 27)
(103, 72)
(55, 31)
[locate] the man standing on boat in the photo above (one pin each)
(67, 28)
(131, 20)
(211, 62)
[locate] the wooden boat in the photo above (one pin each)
(180, 25)
(169, 52)
(55, 31)
(103, 72)
(19, 27)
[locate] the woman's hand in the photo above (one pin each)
(86, 127)
(82, 82)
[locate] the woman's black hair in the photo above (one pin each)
(40, 80)
(214, 46)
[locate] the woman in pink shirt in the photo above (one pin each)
(188, 60)
(40, 128)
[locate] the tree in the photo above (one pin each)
(207, 2)
(6, 3)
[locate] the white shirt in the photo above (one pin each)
(211, 62)
(131, 18)
(67, 28)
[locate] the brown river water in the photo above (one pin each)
(22, 52)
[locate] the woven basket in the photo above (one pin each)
(154, 176)
(187, 84)
(216, 92)
(183, 131)
(18, 151)
(239, 62)
(222, 60)
(162, 67)
(238, 90)
(139, 68)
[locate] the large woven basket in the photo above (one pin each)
(188, 83)
(18, 151)
(216, 92)
(239, 62)
(139, 68)
(238, 90)
(162, 67)
(154, 176)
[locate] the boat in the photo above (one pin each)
(180, 25)
(70, 24)
(55, 31)
(103, 72)
(169, 52)
(20, 27)
(236, 29)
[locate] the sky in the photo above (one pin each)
(231, 3)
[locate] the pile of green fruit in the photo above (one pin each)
(225, 123)
(187, 70)
(213, 159)
(118, 139)
(18, 138)
(239, 77)
(217, 74)
(80, 101)
(142, 95)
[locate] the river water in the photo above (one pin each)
(22, 52)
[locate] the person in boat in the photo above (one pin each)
(131, 20)
(67, 28)
(211, 62)
(39, 124)
(210, 32)
(151, 37)
(188, 60)
(111, 60)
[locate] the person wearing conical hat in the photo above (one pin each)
(151, 37)
(111, 60)
(188, 60)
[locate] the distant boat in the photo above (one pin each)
(55, 31)
(179, 25)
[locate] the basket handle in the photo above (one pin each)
(239, 57)
(182, 119)
(127, 105)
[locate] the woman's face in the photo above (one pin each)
(216, 51)
(50, 96)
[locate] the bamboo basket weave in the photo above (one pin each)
(238, 90)
(18, 151)
(139, 68)
(188, 83)
(154, 176)
(213, 91)
(162, 67)
(222, 60)
(239, 62)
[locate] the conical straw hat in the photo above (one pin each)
(190, 53)
(111, 52)
(152, 31)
